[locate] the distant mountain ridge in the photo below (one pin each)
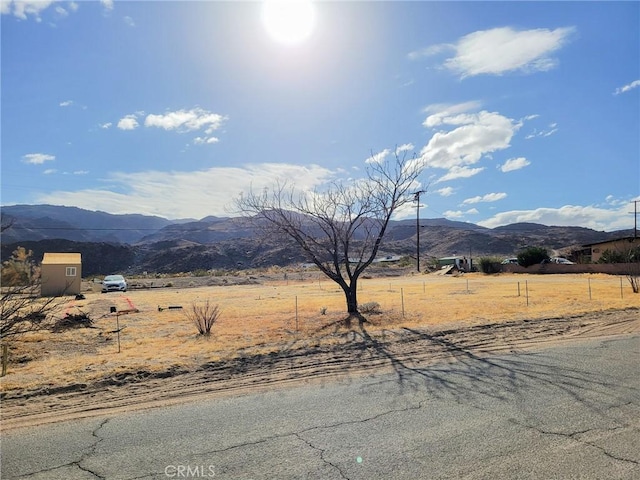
(136, 243)
(41, 222)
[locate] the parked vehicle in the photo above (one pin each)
(507, 261)
(562, 261)
(114, 283)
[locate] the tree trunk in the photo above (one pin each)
(351, 295)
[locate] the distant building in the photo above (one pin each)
(593, 251)
(61, 274)
(461, 263)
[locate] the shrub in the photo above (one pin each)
(490, 265)
(200, 273)
(370, 307)
(406, 261)
(532, 255)
(203, 316)
(616, 256)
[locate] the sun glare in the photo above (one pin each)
(288, 22)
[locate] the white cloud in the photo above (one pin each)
(475, 135)
(406, 147)
(24, 9)
(430, 51)
(626, 88)
(205, 140)
(107, 4)
(129, 21)
(441, 111)
(459, 172)
(526, 118)
(616, 202)
(502, 50)
(378, 157)
(543, 133)
(514, 164)
(66, 103)
(590, 216)
(80, 172)
(37, 158)
(445, 191)
(128, 122)
(194, 194)
(489, 197)
(49, 171)
(459, 213)
(106, 125)
(186, 120)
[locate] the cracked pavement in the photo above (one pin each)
(567, 411)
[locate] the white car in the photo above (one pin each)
(562, 261)
(114, 283)
(507, 261)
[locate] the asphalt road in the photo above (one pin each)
(568, 411)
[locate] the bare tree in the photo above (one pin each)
(341, 228)
(21, 307)
(633, 272)
(629, 255)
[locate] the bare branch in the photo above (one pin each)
(341, 228)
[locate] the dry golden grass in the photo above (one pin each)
(276, 315)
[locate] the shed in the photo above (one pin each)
(61, 274)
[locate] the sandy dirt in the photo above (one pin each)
(357, 351)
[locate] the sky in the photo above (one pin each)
(520, 111)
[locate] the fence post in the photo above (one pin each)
(402, 298)
(518, 288)
(118, 329)
(621, 290)
(5, 359)
(526, 290)
(296, 313)
(589, 281)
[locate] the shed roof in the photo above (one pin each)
(61, 258)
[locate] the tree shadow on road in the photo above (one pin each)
(448, 369)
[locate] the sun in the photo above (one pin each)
(289, 22)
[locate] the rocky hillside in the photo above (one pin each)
(136, 243)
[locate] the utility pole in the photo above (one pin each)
(635, 218)
(417, 200)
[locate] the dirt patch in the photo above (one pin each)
(354, 351)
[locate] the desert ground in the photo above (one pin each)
(280, 327)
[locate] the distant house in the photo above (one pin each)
(61, 274)
(593, 251)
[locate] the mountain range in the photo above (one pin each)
(136, 243)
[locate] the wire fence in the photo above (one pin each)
(427, 299)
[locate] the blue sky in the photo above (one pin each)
(520, 111)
